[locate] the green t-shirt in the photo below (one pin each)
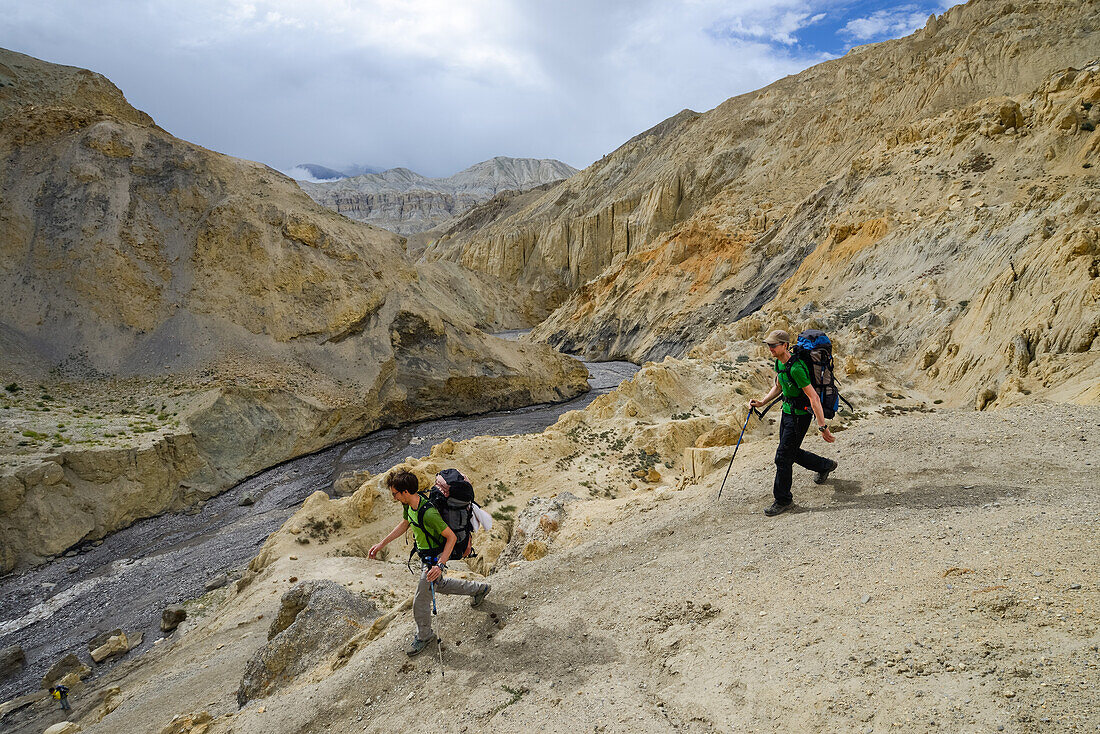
(791, 383)
(433, 521)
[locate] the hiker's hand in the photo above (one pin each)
(374, 550)
(434, 573)
(754, 403)
(828, 436)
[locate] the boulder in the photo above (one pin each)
(316, 619)
(171, 617)
(535, 528)
(12, 659)
(217, 582)
(69, 665)
(65, 727)
(115, 645)
(101, 639)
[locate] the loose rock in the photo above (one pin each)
(171, 617)
(65, 727)
(115, 645)
(66, 666)
(316, 619)
(217, 582)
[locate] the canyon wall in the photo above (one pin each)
(931, 169)
(137, 268)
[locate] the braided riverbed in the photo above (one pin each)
(127, 580)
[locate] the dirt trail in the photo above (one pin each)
(946, 579)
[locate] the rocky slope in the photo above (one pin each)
(940, 187)
(403, 201)
(173, 320)
(929, 585)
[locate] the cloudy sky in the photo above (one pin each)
(437, 85)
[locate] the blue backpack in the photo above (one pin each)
(814, 348)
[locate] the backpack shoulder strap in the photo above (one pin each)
(421, 510)
(785, 369)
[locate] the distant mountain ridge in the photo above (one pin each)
(407, 202)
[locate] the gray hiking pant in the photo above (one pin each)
(422, 600)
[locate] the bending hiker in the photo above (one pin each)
(792, 379)
(61, 693)
(434, 543)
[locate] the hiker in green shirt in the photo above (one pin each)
(434, 543)
(800, 404)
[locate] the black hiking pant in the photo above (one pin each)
(792, 430)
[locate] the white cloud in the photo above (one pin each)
(301, 174)
(435, 85)
(777, 22)
(885, 24)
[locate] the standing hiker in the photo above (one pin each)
(792, 379)
(434, 543)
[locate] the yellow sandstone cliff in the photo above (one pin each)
(930, 199)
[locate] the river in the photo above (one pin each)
(129, 579)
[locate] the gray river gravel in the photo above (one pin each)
(128, 580)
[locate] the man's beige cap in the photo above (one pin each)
(777, 337)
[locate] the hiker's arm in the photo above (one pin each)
(819, 414)
(396, 533)
(435, 571)
(772, 394)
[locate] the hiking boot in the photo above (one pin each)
(480, 596)
(777, 509)
(821, 476)
(418, 645)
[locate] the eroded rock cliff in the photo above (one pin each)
(174, 320)
(403, 201)
(920, 171)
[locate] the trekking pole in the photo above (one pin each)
(439, 646)
(432, 587)
(747, 416)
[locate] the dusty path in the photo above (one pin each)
(946, 580)
(128, 580)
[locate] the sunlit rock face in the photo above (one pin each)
(940, 186)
